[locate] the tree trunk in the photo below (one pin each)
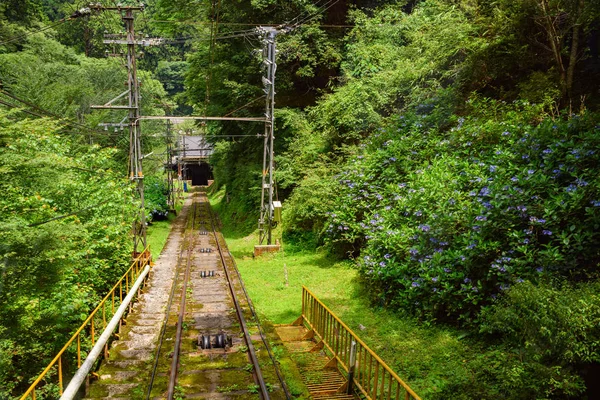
(574, 49)
(555, 44)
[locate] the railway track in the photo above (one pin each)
(210, 344)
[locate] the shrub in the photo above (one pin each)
(452, 219)
(551, 331)
(155, 196)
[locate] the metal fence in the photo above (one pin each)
(366, 371)
(85, 336)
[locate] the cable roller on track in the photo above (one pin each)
(204, 293)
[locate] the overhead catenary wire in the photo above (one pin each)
(49, 114)
(191, 22)
(26, 34)
(77, 14)
(326, 7)
(290, 22)
(21, 109)
(244, 106)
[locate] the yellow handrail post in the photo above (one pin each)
(135, 266)
(92, 330)
(372, 374)
(78, 351)
(60, 377)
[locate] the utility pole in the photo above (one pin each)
(170, 185)
(266, 222)
(133, 107)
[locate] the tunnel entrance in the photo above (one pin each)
(199, 173)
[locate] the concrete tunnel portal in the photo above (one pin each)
(194, 154)
(199, 173)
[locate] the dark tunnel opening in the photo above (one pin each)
(199, 173)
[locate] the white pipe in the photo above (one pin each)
(87, 365)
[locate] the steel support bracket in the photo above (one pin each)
(317, 347)
(333, 363)
(309, 335)
(343, 388)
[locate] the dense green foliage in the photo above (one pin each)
(67, 207)
(448, 147)
(452, 152)
(64, 240)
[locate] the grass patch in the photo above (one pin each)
(431, 359)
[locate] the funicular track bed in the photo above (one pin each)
(201, 350)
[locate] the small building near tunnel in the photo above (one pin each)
(193, 154)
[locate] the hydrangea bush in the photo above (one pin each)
(450, 219)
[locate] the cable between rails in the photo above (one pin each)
(169, 304)
(253, 312)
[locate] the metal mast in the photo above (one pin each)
(133, 107)
(265, 223)
(170, 185)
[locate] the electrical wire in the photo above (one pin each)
(190, 22)
(244, 106)
(290, 22)
(24, 35)
(50, 114)
(69, 214)
(328, 5)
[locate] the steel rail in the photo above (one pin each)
(252, 353)
(165, 321)
(186, 278)
(260, 330)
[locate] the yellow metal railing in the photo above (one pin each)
(373, 378)
(100, 313)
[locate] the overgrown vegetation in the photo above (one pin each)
(452, 157)
(67, 207)
(445, 148)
